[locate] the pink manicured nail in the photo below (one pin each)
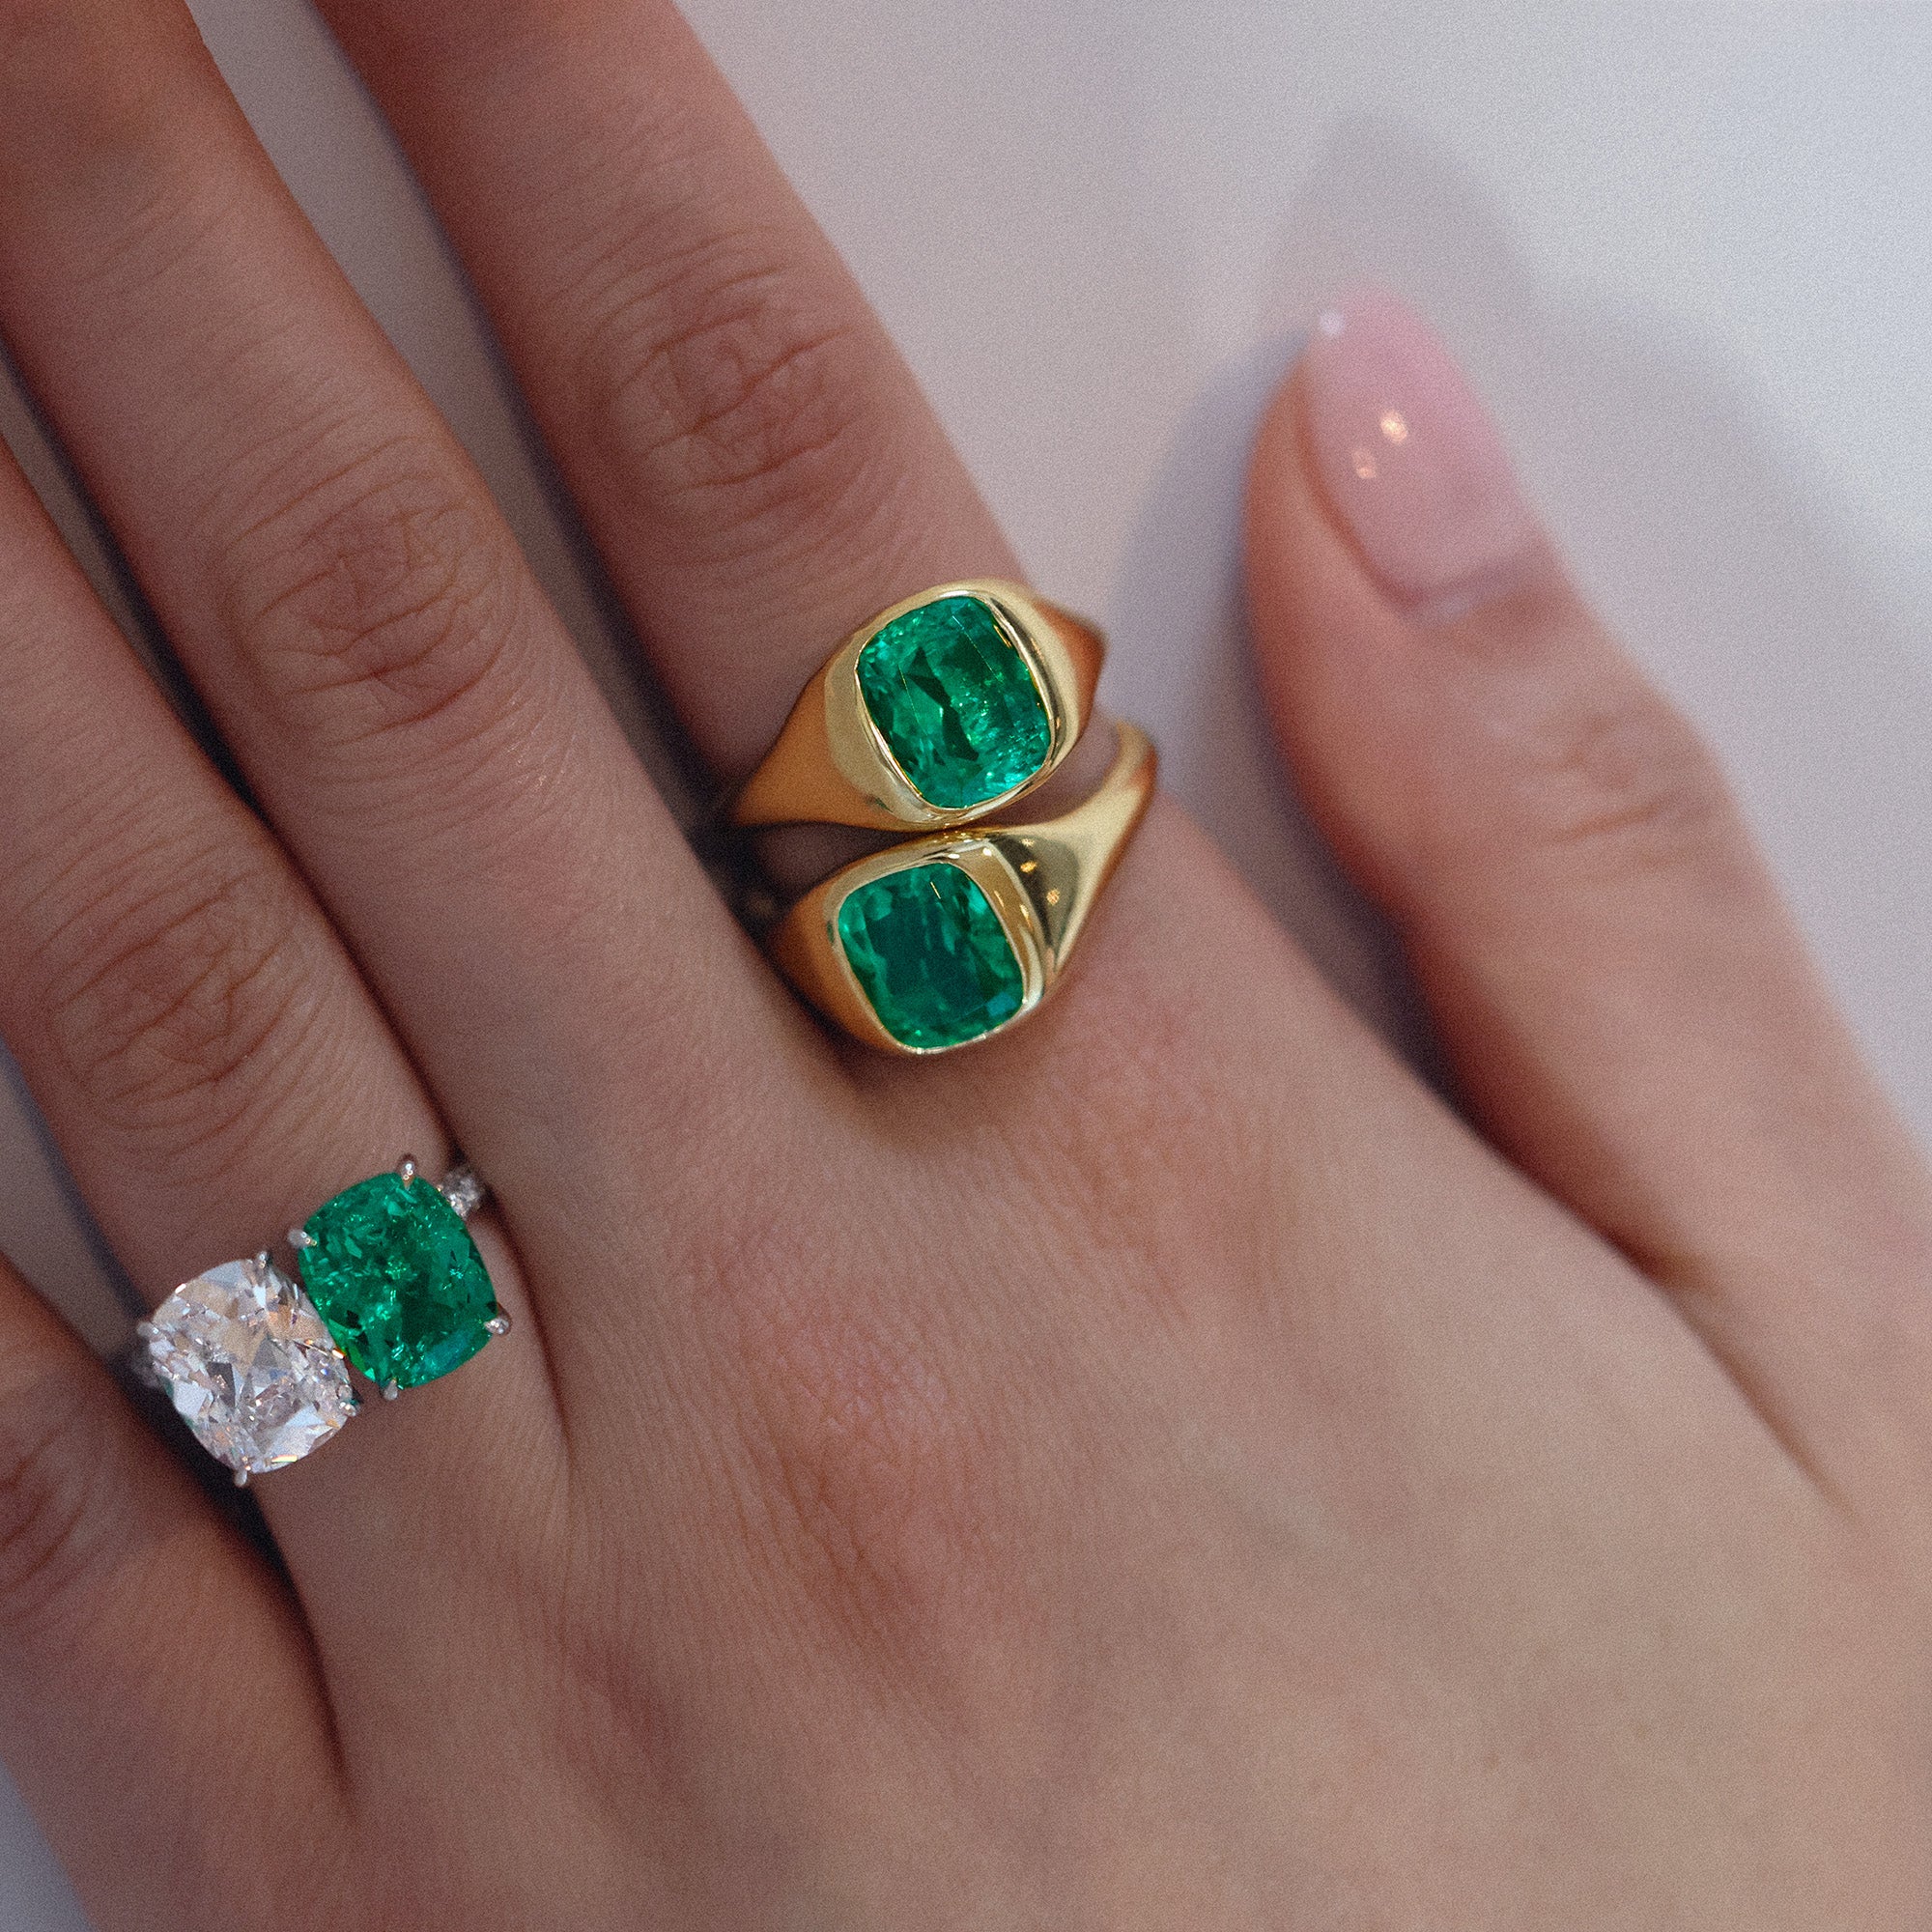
(1407, 458)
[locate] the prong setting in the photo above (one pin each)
(261, 1374)
(249, 1365)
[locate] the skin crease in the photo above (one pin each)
(1165, 1468)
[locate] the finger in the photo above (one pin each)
(353, 609)
(133, 1627)
(1625, 997)
(755, 459)
(213, 1069)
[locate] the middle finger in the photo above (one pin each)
(752, 453)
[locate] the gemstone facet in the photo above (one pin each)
(249, 1367)
(398, 1279)
(929, 952)
(956, 703)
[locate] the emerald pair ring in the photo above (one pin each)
(935, 718)
(257, 1364)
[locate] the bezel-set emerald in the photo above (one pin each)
(944, 707)
(936, 962)
(956, 701)
(396, 1276)
(957, 937)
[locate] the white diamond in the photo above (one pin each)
(463, 1188)
(250, 1366)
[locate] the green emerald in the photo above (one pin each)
(956, 703)
(395, 1273)
(931, 955)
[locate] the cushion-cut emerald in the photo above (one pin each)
(395, 1273)
(929, 952)
(956, 703)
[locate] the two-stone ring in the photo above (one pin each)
(391, 1285)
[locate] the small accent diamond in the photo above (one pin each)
(463, 1188)
(249, 1366)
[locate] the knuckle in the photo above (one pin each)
(1619, 781)
(165, 983)
(733, 398)
(51, 1473)
(378, 594)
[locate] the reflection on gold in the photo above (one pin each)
(1394, 427)
(1365, 465)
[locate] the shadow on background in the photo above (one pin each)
(1753, 607)
(1180, 603)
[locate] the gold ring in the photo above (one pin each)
(948, 706)
(941, 941)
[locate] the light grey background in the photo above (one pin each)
(1684, 249)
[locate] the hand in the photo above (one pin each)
(1163, 1468)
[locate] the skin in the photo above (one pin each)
(1165, 1468)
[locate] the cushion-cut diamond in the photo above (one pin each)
(249, 1366)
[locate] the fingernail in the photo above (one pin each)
(1407, 458)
